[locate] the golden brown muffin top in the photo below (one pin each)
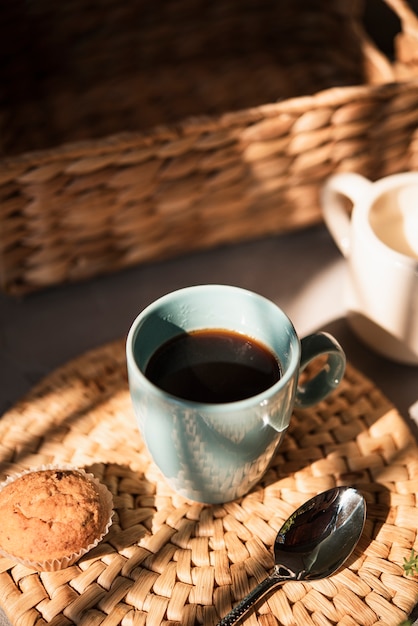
(49, 514)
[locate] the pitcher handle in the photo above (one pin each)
(352, 186)
(329, 376)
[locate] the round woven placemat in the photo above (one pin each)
(170, 561)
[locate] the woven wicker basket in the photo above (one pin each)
(150, 129)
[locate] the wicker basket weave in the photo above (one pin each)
(151, 129)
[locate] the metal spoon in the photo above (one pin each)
(313, 543)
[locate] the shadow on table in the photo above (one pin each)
(398, 382)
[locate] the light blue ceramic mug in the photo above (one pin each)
(217, 452)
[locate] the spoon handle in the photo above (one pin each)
(251, 599)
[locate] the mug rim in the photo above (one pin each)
(377, 189)
(271, 391)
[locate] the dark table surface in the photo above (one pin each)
(301, 271)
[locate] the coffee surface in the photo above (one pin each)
(213, 366)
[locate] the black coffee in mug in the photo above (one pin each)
(213, 366)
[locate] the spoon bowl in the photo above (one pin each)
(313, 543)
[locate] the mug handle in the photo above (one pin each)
(329, 376)
(352, 186)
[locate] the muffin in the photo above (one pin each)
(51, 517)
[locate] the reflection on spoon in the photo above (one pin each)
(312, 544)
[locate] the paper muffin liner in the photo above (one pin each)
(53, 565)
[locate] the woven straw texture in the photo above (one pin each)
(149, 129)
(169, 561)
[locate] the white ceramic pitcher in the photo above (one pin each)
(380, 242)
